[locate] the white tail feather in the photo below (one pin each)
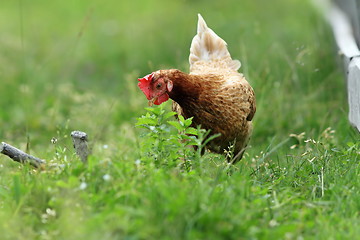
(208, 46)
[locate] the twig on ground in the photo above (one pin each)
(20, 156)
(80, 144)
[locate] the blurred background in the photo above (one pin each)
(74, 65)
(68, 65)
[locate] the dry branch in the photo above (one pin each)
(20, 156)
(80, 144)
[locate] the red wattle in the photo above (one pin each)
(161, 99)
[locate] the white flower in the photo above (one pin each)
(82, 186)
(106, 177)
(50, 212)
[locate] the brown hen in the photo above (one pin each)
(215, 94)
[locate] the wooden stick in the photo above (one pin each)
(80, 144)
(20, 156)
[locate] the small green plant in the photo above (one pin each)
(171, 143)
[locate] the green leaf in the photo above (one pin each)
(210, 138)
(181, 119)
(154, 110)
(176, 124)
(192, 131)
(188, 122)
(169, 114)
(17, 188)
(146, 121)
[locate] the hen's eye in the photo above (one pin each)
(158, 86)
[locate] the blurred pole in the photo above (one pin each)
(351, 8)
(344, 17)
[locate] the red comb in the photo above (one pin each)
(144, 84)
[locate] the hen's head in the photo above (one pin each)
(156, 87)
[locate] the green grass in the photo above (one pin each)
(74, 66)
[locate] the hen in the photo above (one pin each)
(215, 94)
